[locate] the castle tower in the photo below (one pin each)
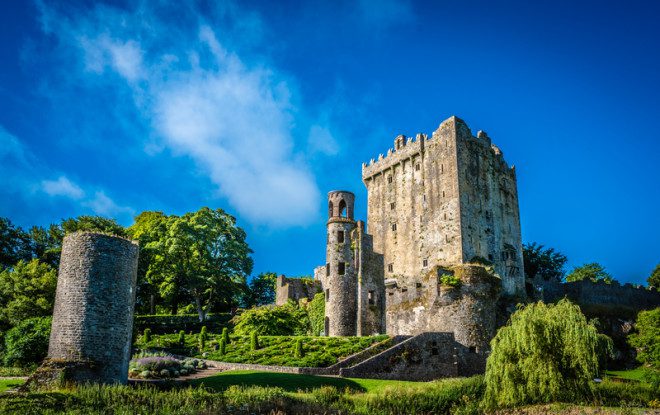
(340, 280)
(93, 315)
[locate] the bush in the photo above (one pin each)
(647, 343)
(161, 365)
(545, 353)
(163, 324)
(182, 338)
(287, 319)
(225, 335)
(27, 343)
(203, 333)
(223, 347)
(254, 341)
(299, 352)
(146, 337)
(316, 312)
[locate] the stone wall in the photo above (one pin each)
(295, 289)
(424, 357)
(94, 301)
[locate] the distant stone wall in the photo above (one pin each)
(94, 301)
(424, 357)
(295, 289)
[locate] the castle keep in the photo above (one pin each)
(436, 206)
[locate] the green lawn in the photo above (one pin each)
(294, 383)
(6, 384)
(633, 374)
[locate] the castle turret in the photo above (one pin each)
(340, 282)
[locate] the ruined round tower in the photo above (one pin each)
(93, 317)
(340, 282)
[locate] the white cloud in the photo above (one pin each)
(321, 140)
(102, 205)
(62, 187)
(233, 117)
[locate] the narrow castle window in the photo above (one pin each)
(424, 197)
(442, 168)
(445, 216)
(389, 179)
(392, 206)
(327, 294)
(327, 269)
(443, 193)
(342, 208)
(372, 299)
(341, 268)
(417, 166)
(390, 267)
(394, 227)
(490, 257)
(425, 263)
(340, 237)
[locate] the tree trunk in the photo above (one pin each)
(200, 309)
(152, 304)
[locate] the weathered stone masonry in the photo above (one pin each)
(94, 302)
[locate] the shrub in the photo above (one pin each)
(27, 343)
(223, 347)
(202, 342)
(299, 352)
(146, 337)
(316, 312)
(254, 341)
(225, 335)
(647, 343)
(161, 365)
(203, 333)
(450, 280)
(287, 319)
(182, 338)
(545, 353)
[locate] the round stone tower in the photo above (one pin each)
(340, 282)
(94, 301)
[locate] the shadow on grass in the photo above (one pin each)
(288, 382)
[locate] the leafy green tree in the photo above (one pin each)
(647, 342)
(14, 244)
(285, 320)
(593, 272)
(545, 353)
(26, 291)
(262, 289)
(47, 244)
(93, 224)
(202, 256)
(27, 343)
(654, 278)
(316, 312)
(544, 262)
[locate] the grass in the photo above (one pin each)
(273, 350)
(6, 384)
(15, 371)
(632, 374)
(296, 383)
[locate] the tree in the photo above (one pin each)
(647, 342)
(262, 289)
(654, 278)
(284, 320)
(545, 353)
(316, 312)
(544, 262)
(47, 244)
(14, 244)
(26, 291)
(27, 343)
(93, 224)
(202, 256)
(593, 272)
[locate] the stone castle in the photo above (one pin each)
(442, 242)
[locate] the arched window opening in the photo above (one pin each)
(330, 209)
(342, 208)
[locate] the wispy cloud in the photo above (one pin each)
(62, 187)
(232, 115)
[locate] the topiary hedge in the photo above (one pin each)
(165, 324)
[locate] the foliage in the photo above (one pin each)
(223, 347)
(654, 278)
(188, 322)
(298, 351)
(27, 343)
(203, 333)
(262, 289)
(182, 338)
(254, 341)
(316, 313)
(543, 262)
(225, 335)
(160, 365)
(647, 342)
(287, 319)
(146, 337)
(319, 351)
(628, 394)
(450, 280)
(27, 290)
(201, 256)
(14, 244)
(593, 272)
(545, 353)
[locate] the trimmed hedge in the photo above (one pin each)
(167, 324)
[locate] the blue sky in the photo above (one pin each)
(262, 107)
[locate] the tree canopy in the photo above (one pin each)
(14, 244)
(544, 262)
(545, 353)
(654, 278)
(262, 289)
(593, 272)
(647, 342)
(27, 290)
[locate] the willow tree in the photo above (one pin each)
(545, 353)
